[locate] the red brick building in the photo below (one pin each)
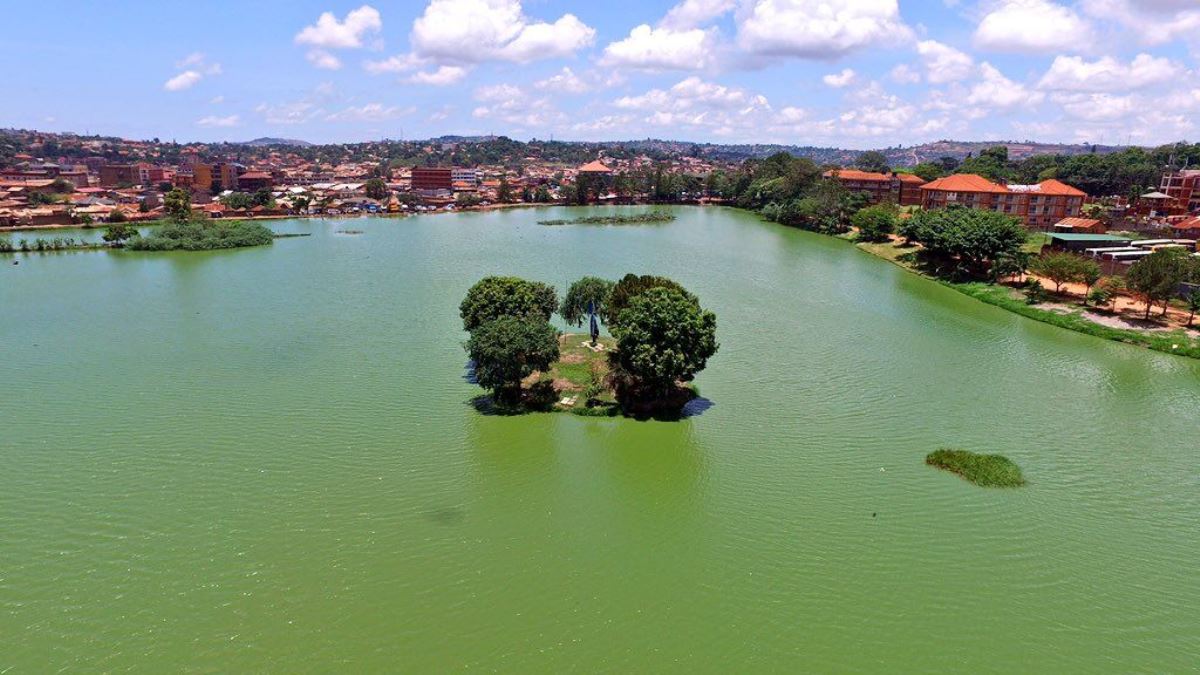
(1183, 188)
(432, 179)
(903, 189)
(1037, 206)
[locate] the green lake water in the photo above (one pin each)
(265, 460)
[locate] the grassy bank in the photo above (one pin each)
(982, 470)
(1170, 342)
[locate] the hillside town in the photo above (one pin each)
(57, 180)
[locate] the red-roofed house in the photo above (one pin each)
(903, 189)
(1188, 229)
(596, 168)
(1038, 206)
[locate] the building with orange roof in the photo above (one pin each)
(596, 167)
(1187, 229)
(903, 189)
(1037, 206)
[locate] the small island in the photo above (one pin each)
(982, 470)
(648, 217)
(661, 338)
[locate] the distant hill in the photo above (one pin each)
(266, 140)
(1016, 150)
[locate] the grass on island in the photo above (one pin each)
(620, 219)
(579, 376)
(203, 235)
(1171, 342)
(982, 470)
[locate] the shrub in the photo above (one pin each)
(201, 235)
(982, 470)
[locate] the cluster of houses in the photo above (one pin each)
(35, 192)
(1050, 205)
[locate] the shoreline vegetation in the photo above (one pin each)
(982, 470)
(1079, 318)
(648, 217)
(198, 236)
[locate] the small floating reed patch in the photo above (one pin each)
(623, 219)
(349, 231)
(982, 470)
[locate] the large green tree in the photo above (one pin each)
(495, 297)
(663, 337)
(178, 204)
(632, 285)
(873, 160)
(875, 223)
(587, 291)
(1156, 277)
(376, 189)
(972, 237)
(509, 349)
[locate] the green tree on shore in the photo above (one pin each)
(178, 204)
(1156, 277)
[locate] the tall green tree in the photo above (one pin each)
(663, 337)
(875, 223)
(588, 291)
(506, 350)
(971, 237)
(494, 297)
(873, 160)
(1156, 277)
(178, 205)
(632, 285)
(376, 189)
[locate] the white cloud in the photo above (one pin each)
(197, 67)
(693, 93)
(662, 49)
(443, 76)
(185, 80)
(1098, 107)
(329, 33)
(944, 63)
(393, 64)
(193, 59)
(1033, 27)
(904, 74)
(840, 80)
(995, 92)
(820, 29)
(514, 107)
(371, 112)
(1072, 73)
(474, 31)
(323, 59)
(1152, 21)
(215, 121)
(564, 82)
(694, 13)
(298, 112)
(217, 100)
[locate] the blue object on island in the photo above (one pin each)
(595, 326)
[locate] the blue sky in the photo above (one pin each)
(851, 73)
